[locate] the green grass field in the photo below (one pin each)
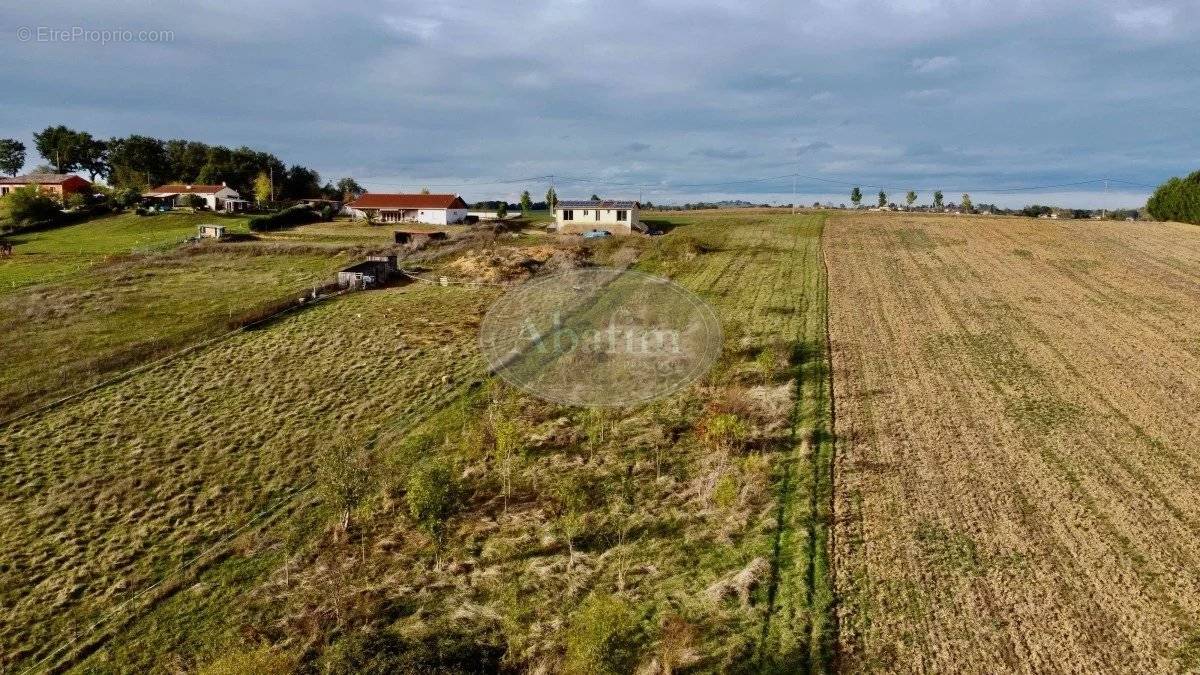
(702, 548)
(49, 255)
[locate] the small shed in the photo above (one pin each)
(210, 231)
(373, 271)
(415, 237)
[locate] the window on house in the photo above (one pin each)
(597, 214)
(568, 214)
(622, 215)
(585, 213)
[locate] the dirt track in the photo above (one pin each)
(1018, 482)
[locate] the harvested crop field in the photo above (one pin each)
(1017, 476)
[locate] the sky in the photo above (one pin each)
(668, 101)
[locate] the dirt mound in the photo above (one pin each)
(506, 265)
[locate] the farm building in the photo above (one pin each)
(58, 184)
(405, 208)
(210, 231)
(216, 197)
(614, 217)
(415, 237)
(375, 270)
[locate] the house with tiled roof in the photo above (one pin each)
(216, 197)
(58, 184)
(445, 209)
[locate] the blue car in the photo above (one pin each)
(596, 234)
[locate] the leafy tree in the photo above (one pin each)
(571, 500)
(28, 205)
(1177, 199)
(502, 209)
(301, 183)
(137, 160)
(526, 203)
(185, 160)
(431, 493)
(856, 196)
(93, 156)
(966, 203)
(61, 146)
(424, 190)
(262, 188)
(551, 198)
(937, 199)
(12, 156)
(882, 198)
(346, 474)
(349, 189)
(910, 197)
(595, 197)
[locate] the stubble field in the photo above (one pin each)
(1017, 482)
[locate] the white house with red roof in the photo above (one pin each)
(216, 197)
(403, 208)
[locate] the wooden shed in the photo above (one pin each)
(210, 231)
(373, 271)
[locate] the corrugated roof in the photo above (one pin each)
(39, 179)
(595, 204)
(383, 200)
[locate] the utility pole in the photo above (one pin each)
(1104, 207)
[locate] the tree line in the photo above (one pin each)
(140, 162)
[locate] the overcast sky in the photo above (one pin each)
(660, 99)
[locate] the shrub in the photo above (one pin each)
(76, 200)
(1178, 199)
(296, 215)
(726, 432)
(602, 636)
(28, 205)
(431, 495)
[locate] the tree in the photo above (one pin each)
(137, 160)
(431, 494)
(937, 199)
(262, 188)
(502, 209)
(424, 190)
(910, 197)
(551, 198)
(346, 474)
(966, 203)
(595, 197)
(93, 156)
(856, 196)
(12, 156)
(571, 500)
(1177, 199)
(882, 198)
(61, 146)
(301, 183)
(349, 189)
(526, 203)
